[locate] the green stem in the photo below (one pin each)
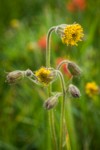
(52, 129)
(50, 113)
(48, 46)
(62, 110)
(61, 63)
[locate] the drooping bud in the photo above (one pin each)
(74, 91)
(74, 69)
(28, 73)
(51, 102)
(14, 76)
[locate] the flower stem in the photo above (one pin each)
(62, 110)
(48, 46)
(52, 128)
(61, 63)
(50, 113)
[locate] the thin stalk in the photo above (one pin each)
(62, 110)
(48, 46)
(52, 129)
(61, 63)
(50, 113)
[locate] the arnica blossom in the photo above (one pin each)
(70, 34)
(45, 75)
(91, 89)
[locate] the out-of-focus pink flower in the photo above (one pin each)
(64, 67)
(75, 5)
(42, 42)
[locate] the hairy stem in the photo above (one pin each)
(50, 113)
(61, 63)
(48, 46)
(62, 110)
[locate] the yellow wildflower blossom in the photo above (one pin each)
(91, 89)
(31, 46)
(45, 75)
(14, 23)
(70, 34)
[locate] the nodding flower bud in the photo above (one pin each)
(14, 76)
(74, 91)
(74, 69)
(51, 102)
(28, 73)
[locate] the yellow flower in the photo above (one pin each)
(14, 23)
(91, 89)
(45, 75)
(31, 46)
(70, 34)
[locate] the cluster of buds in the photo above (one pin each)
(70, 35)
(45, 76)
(72, 90)
(14, 76)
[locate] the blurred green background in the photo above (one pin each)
(23, 29)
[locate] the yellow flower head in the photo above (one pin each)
(91, 89)
(70, 34)
(31, 46)
(14, 23)
(45, 75)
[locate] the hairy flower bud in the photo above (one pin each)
(51, 101)
(74, 69)
(28, 73)
(74, 91)
(14, 76)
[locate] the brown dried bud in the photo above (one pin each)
(14, 76)
(51, 101)
(74, 69)
(74, 91)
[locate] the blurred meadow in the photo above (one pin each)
(23, 29)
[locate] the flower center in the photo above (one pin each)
(74, 35)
